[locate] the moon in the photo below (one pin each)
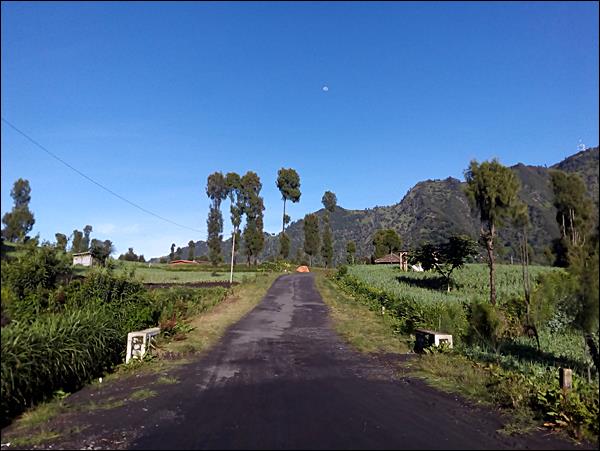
(325, 88)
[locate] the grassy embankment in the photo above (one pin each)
(520, 379)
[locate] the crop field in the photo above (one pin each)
(163, 273)
(472, 282)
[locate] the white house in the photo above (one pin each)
(83, 258)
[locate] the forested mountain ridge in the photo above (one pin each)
(434, 209)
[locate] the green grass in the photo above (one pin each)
(365, 330)
(108, 404)
(144, 393)
(167, 380)
(163, 273)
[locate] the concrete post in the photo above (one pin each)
(565, 378)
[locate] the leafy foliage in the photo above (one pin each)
(492, 189)
(327, 246)
(329, 201)
(446, 257)
(18, 222)
(311, 236)
(385, 242)
(284, 245)
(254, 239)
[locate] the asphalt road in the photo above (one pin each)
(282, 379)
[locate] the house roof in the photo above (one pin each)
(390, 258)
(176, 262)
(82, 253)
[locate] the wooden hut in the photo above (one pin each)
(400, 258)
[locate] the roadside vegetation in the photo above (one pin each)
(61, 331)
(494, 360)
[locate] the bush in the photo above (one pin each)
(408, 312)
(57, 352)
(487, 325)
(180, 303)
(30, 279)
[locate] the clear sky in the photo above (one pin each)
(150, 98)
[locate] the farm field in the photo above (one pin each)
(163, 273)
(472, 281)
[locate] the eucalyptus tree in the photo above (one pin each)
(76, 242)
(172, 254)
(350, 251)
(216, 190)
(191, 250)
(311, 236)
(574, 212)
(61, 241)
(327, 246)
(19, 221)
(85, 243)
(329, 201)
(492, 190)
(288, 183)
(254, 239)
(233, 183)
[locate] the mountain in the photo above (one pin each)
(432, 210)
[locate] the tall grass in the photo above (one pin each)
(56, 351)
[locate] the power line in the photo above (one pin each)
(94, 181)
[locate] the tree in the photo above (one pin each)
(350, 251)
(446, 257)
(386, 241)
(585, 270)
(76, 244)
(521, 222)
(178, 254)
(191, 250)
(141, 259)
(85, 243)
(233, 183)
(61, 241)
(288, 183)
(284, 245)
(578, 250)
(172, 253)
(130, 256)
(216, 190)
(19, 221)
(101, 250)
(311, 236)
(492, 189)
(573, 213)
(254, 239)
(329, 201)
(327, 247)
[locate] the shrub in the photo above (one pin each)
(56, 352)
(487, 325)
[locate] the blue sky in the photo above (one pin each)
(150, 98)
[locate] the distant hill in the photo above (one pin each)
(434, 209)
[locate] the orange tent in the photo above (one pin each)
(302, 269)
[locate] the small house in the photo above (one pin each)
(183, 262)
(83, 258)
(401, 258)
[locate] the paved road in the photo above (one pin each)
(282, 379)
